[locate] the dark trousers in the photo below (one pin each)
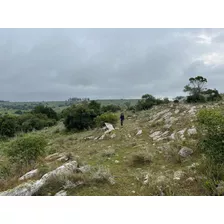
(122, 122)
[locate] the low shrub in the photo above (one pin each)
(106, 117)
(26, 150)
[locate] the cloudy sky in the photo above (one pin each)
(55, 64)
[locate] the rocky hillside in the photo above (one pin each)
(154, 153)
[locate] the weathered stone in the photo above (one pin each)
(113, 135)
(102, 137)
(61, 193)
(155, 134)
(84, 169)
(185, 152)
(109, 128)
(178, 175)
(176, 111)
(172, 136)
(192, 131)
(54, 156)
(29, 175)
(190, 179)
(139, 132)
(29, 189)
(63, 159)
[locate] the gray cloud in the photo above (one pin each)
(55, 64)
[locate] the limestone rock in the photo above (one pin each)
(29, 189)
(29, 175)
(178, 175)
(61, 193)
(185, 152)
(113, 135)
(192, 131)
(54, 157)
(109, 128)
(139, 132)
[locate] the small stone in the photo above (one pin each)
(192, 131)
(29, 175)
(185, 152)
(116, 161)
(178, 175)
(139, 132)
(61, 193)
(113, 135)
(133, 192)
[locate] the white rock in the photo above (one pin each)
(172, 136)
(29, 175)
(184, 152)
(178, 175)
(182, 131)
(61, 193)
(113, 135)
(102, 137)
(139, 132)
(109, 127)
(133, 192)
(192, 131)
(116, 161)
(84, 169)
(176, 111)
(155, 134)
(63, 159)
(29, 189)
(53, 157)
(146, 179)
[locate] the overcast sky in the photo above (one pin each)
(55, 64)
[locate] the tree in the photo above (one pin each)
(80, 118)
(196, 85)
(94, 106)
(41, 109)
(8, 126)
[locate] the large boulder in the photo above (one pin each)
(29, 189)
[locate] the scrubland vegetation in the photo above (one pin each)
(166, 147)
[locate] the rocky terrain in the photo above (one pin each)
(154, 153)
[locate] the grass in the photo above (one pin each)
(127, 158)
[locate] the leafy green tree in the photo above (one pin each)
(196, 85)
(8, 126)
(41, 109)
(80, 118)
(95, 107)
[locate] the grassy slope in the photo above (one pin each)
(129, 178)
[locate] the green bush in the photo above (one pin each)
(106, 117)
(48, 111)
(211, 126)
(111, 108)
(8, 126)
(93, 105)
(27, 149)
(79, 118)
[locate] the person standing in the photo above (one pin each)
(122, 119)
